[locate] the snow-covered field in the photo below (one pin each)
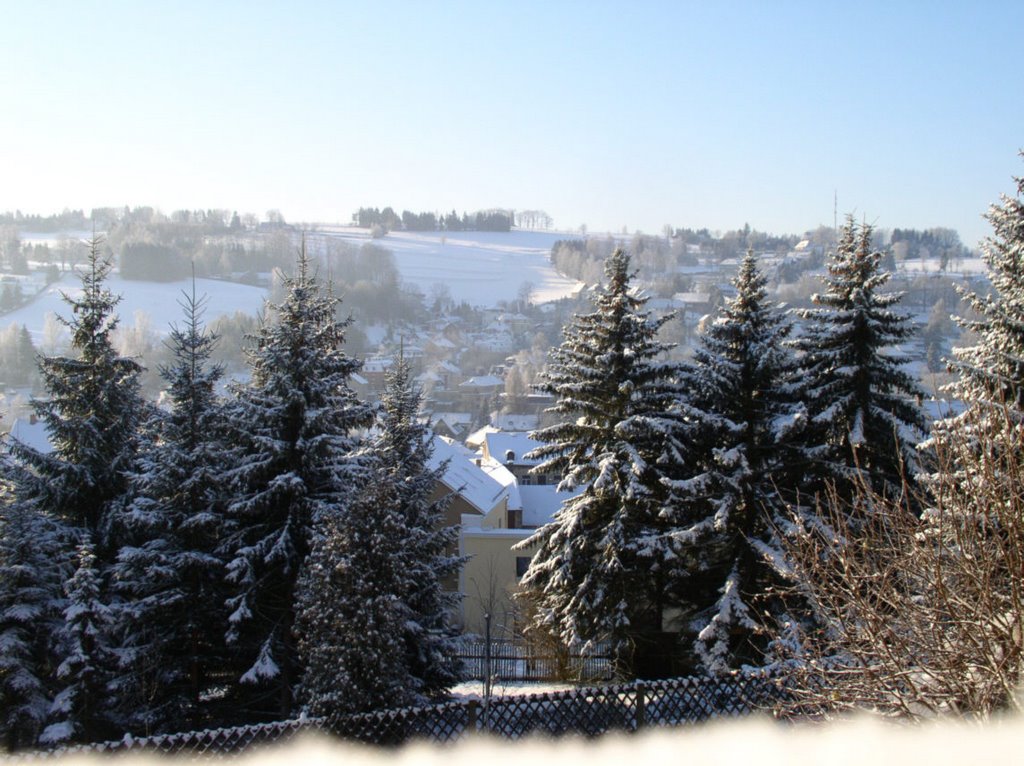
(158, 301)
(481, 268)
(52, 239)
(961, 267)
(478, 267)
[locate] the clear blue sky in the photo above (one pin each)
(635, 114)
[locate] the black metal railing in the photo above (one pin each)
(515, 661)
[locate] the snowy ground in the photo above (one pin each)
(481, 268)
(158, 301)
(478, 267)
(743, 743)
(960, 267)
(475, 689)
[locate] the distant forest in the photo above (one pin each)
(388, 220)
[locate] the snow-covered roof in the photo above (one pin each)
(447, 366)
(515, 422)
(497, 445)
(442, 342)
(692, 297)
(32, 435)
(482, 381)
(453, 418)
(476, 439)
(662, 304)
(540, 503)
(482, 487)
(377, 364)
(500, 341)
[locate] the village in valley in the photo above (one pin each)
(477, 342)
(393, 376)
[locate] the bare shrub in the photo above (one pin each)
(921, 616)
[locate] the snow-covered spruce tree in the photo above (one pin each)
(741, 389)
(172, 617)
(92, 412)
(863, 407)
(31, 608)
(352, 614)
(603, 566)
(991, 372)
(78, 712)
(402, 449)
(294, 427)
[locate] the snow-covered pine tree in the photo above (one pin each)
(741, 389)
(31, 609)
(863, 406)
(603, 566)
(352, 612)
(92, 412)
(402, 449)
(991, 372)
(171, 621)
(79, 712)
(294, 426)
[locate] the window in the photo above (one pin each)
(522, 564)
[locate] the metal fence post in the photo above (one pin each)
(487, 657)
(641, 716)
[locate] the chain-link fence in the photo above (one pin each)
(586, 711)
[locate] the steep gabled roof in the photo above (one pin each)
(498, 444)
(482, 486)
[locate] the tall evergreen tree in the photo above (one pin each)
(352, 614)
(295, 426)
(991, 372)
(603, 566)
(31, 613)
(402, 448)
(864, 415)
(742, 388)
(171, 622)
(79, 709)
(92, 413)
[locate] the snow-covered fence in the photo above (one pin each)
(587, 711)
(516, 661)
(197, 744)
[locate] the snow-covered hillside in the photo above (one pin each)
(481, 268)
(157, 300)
(478, 267)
